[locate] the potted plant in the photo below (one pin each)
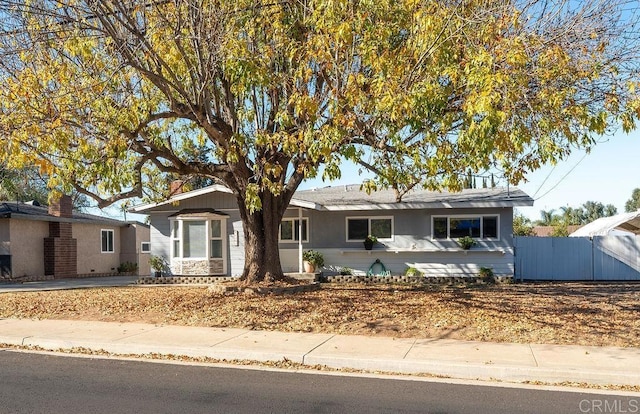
(312, 260)
(466, 242)
(369, 241)
(158, 264)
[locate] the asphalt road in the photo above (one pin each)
(36, 383)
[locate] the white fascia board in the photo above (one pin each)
(420, 206)
(182, 196)
(305, 204)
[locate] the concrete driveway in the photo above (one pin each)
(61, 284)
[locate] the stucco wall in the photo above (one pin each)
(27, 247)
(90, 259)
(142, 235)
(131, 238)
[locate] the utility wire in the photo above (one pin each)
(563, 177)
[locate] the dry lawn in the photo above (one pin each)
(566, 313)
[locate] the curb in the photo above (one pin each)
(466, 371)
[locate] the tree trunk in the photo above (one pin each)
(261, 254)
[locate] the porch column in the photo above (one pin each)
(300, 240)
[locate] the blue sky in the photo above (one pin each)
(608, 174)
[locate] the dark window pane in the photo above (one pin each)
(439, 227)
(358, 229)
(381, 228)
(490, 227)
(216, 249)
(296, 224)
(107, 241)
(460, 227)
(286, 230)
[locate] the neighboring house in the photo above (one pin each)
(625, 224)
(547, 231)
(57, 242)
(200, 232)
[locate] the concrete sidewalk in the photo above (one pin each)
(66, 284)
(456, 359)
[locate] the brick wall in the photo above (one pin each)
(60, 251)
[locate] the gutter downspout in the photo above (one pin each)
(300, 269)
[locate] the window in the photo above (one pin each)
(194, 238)
(215, 239)
(106, 241)
(175, 238)
(197, 238)
(358, 228)
(145, 247)
(461, 227)
(290, 230)
(454, 227)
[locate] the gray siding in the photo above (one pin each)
(412, 245)
(600, 258)
(160, 232)
(412, 228)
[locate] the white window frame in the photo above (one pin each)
(466, 216)
(210, 237)
(175, 230)
(207, 218)
(113, 241)
(368, 218)
(305, 221)
(145, 247)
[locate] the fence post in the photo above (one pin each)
(593, 272)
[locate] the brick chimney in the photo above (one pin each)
(60, 248)
(175, 187)
(61, 207)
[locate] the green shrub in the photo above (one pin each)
(157, 263)
(128, 267)
(486, 274)
(346, 271)
(412, 271)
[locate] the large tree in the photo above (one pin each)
(112, 97)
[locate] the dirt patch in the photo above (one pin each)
(559, 313)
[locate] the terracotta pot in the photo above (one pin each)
(309, 267)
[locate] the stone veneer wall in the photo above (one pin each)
(188, 267)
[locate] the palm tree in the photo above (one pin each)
(547, 217)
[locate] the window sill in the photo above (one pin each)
(423, 251)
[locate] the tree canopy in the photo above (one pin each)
(113, 98)
(633, 204)
(588, 212)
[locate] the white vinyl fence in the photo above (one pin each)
(599, 258)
